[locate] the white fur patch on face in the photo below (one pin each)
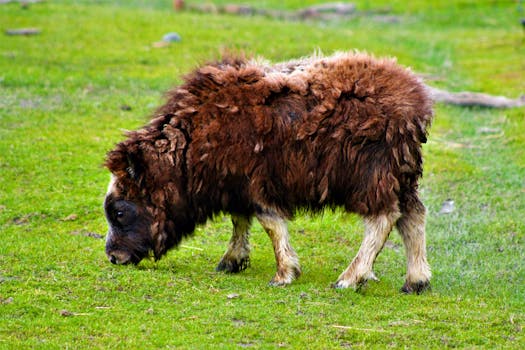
(111, 189)
(111, 185)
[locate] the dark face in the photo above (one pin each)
(129, 238)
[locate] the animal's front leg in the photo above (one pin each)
(377, 229)
(237, 257)
(288, 267)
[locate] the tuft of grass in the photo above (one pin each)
(61, 94)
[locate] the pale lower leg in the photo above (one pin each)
(377, 229)
(288, 267)
(237, 256)
(411, 227)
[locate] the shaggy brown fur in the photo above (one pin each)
(243, 137)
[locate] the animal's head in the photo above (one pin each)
(145, 207)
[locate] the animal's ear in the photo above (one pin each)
(124, 161)
(134, 168)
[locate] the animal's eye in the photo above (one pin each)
(121, 213)
(121, 216)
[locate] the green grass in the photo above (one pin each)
(60, 99)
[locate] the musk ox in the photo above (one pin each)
(244, 137)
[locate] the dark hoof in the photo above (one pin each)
(361, 286)
(418, 287)
(233, 266)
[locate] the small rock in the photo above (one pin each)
(245, 345)
(488, 130)
(93, 235)
(71, 217)
(171, 38)
(238, 322)
(28, 103)
(232, 296)
(6, 301)
(66, 313)
(23, 31)
(447, 207)
(21, 220)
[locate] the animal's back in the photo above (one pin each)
(344, 130)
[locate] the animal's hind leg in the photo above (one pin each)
(288, 267)
(411, 227)
(237, 257)
(377, 229)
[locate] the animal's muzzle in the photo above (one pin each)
(119, 257)
(113, 259)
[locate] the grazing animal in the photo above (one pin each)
(257, 140)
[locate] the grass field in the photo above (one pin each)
(61, 98)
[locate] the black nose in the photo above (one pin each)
(113, 259)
